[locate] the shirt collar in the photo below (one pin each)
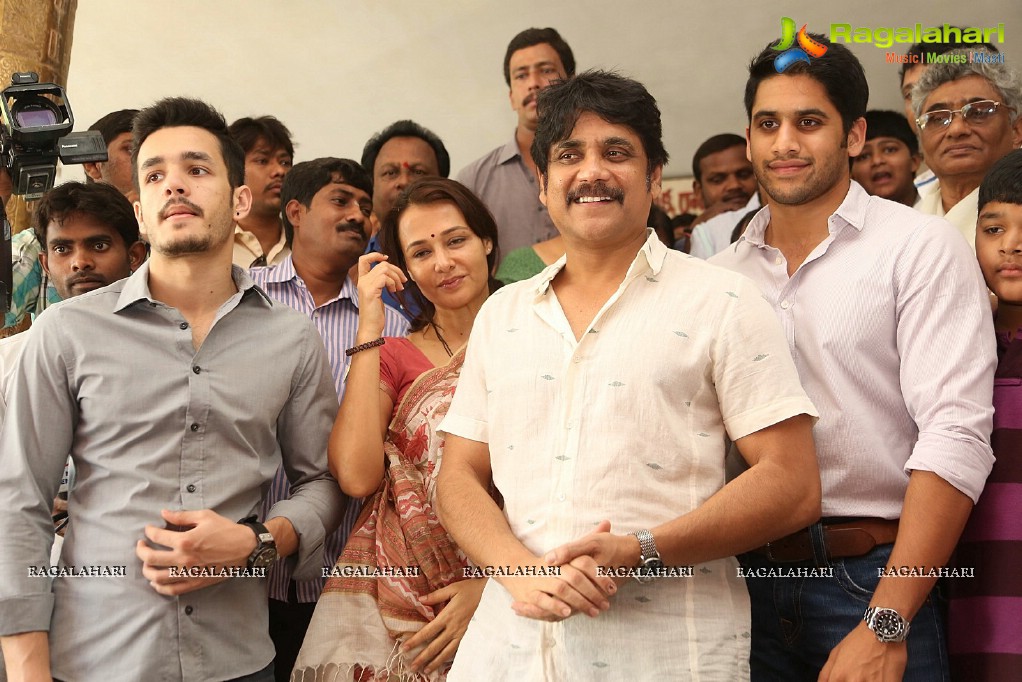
(136, 287)
(285, 272)
(651, 256)
(851, 211)
(509, 151)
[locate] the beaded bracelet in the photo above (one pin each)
(365, 346)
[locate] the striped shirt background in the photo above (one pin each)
(337, 321)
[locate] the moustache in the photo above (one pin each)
(595, 189)
(162, 215)
(86, 279)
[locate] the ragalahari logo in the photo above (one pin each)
(807, 47)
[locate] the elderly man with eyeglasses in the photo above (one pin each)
(968, 112)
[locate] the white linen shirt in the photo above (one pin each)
(626, 424)
(891, 331)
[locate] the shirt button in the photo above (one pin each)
(561, 497)
(785, 305)
(188, 610)
(184, 325)
(191, 488)
(577, 359)
(778, 260)
(194, 427)
(196, 369)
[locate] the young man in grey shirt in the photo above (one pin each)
(178, 393)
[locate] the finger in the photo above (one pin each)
(425, 634)
(588, 566)
(164, 537)
(577, 590)
(366, 261)
(154, 557)
(181, 517)
(550, 611)
(446, 655)
(430, 653)
(441, 595)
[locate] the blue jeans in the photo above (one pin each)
(797, 621)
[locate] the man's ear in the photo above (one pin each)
(511, 98)
(293, 211)
(856, 137)
(656, 181)
(242, 202)
(92, 169)
(44, 262)
(916, 160)
(136, 254)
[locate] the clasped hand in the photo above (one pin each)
(209, 541)
(580, 588)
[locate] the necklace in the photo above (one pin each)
(439, 336)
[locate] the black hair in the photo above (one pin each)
(115, 123)
(883, 123)
(714, 145)
(612, 97)
(307, 178)
(921, 53)
(838, 71)
(174, 112)
(424, 192)
(406, 128)
(538, 36)
(102, 202)
(1003, 182)
(110, 126)
(248, 131)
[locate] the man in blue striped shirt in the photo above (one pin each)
(326, 205)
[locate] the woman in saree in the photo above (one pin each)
(397, 604)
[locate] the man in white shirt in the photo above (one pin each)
(886, 316)
(259, 237)
(969, 116)
(593, 410)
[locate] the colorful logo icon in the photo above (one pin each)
(807, 47)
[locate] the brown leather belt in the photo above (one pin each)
(846, 539)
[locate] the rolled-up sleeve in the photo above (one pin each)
(948, 357)
(316, 505)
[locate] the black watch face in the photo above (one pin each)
(265, 557)
(887, 624)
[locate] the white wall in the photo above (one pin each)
(336, 71)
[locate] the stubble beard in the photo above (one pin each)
(819, 180)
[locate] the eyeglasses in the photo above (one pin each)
(973, 113)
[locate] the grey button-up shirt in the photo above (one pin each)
(511, 192)
(111, 377)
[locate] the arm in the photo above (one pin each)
(356, 442)
(473, 519)
(931, 522)
(27, 657)
(947, 382)
(315, 506)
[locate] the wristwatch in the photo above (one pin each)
(886, 624)
(265, 552)
(650, 562)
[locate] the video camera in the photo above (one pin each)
(35, 131)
